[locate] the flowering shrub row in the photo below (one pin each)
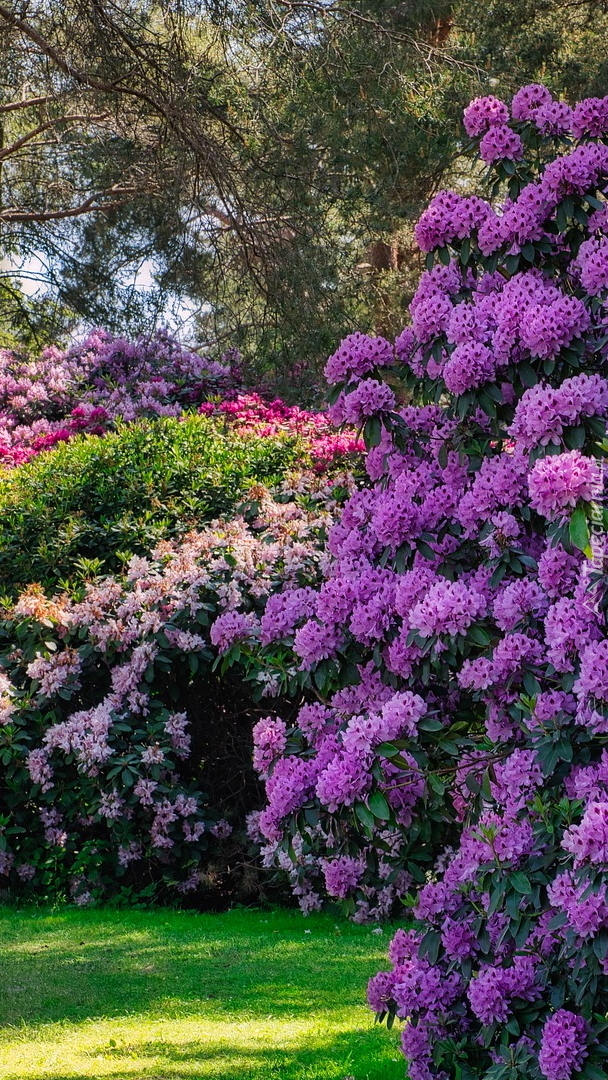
(108, 738)
(465, 605)
(103, 379)
(268, 419)
(85, 388)
(119, 744)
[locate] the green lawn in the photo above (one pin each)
(245, 995)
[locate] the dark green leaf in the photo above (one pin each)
(593, 1072)
(527, 374)
(425, 550)
(372, 432)
(575, 438)
(520, 882)
(578, 530)
(379, 806)
(430, 724)
(365, 816)
(387, 750)
(531, 684)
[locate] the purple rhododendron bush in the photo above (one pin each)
(126, 754)
(463, 760)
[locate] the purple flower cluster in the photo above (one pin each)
(558, 483)
(368, 398)
(592, 263)
(291, 783)
(469, 366)
(587, 911)
(528, 100)
(500, 143)
(449, 217)
(534, 103)
(563, 1045)
(590, 117)
(342, 875)
(579, 170)
(500, 322)
(552, 327)
(483, 113)
(230, 628)
(588, 841)
(575, 173)
(269, 741)
(357, 356)
(554, 118)
(491, 992)
(448, 607)
(544, 412)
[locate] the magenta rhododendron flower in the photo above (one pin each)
(484, 112)
(588, 841)
(230, 628)
(528, 100)
(554, 118)
(357, 355)
(492, 991)
(104, 379)
(449, 217)
(500, 143)
(543, 413)
(269, 740)
(342, 875)
(592, 262)
(368, 398)
(590, 117)
(470, 365)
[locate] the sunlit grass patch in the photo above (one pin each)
(245, 995)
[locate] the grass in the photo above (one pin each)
(244, 995)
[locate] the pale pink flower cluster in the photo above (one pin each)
(55, 671)
(7, 705)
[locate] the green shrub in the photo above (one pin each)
(86, 506)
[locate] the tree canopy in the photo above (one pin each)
(266, 158)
